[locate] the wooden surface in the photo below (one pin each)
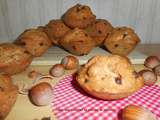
(137, 56)
(55, 54)
(24, 110)
(142, 15)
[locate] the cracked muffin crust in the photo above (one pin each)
(13, 58)
(109, 77)
(79, 16)
(55, 30)
(122, 40)
(35, 41)
(99, 30)
(77, 41)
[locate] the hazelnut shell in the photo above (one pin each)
(41, 94)
(70, 62)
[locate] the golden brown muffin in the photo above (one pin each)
(13, 58)
(56, 29)
(99, 30)
(122, 40)
(8, 95)
(79, 16)
(35, 41)
(109, 77)
(77, 41)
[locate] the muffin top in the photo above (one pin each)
(79, 16)
(11, 53)
(111, 74)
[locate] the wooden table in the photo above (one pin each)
(25, 110)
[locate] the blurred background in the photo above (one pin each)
(142, 15)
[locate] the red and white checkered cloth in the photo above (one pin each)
(72, 103)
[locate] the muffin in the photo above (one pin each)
(13, 58)
(109, 77)
(77, 42)
(35, 41)
(56, 29)
(79, 16)
(99, 30)
(121, 41)
(8, 95)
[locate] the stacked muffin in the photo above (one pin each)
(78, 31)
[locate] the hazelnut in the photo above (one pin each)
(57, 70)
(149, 77)
(151, 61)
(133, 112)
(70, 62)
(41, 94)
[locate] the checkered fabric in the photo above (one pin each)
(72, 103)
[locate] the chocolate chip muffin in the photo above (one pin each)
(8, 95)
(122, 40)
(35, 41)
(77, 42)
(109, 77)
(13, 58)
(56, 29)
(99, 30)
(79, 16)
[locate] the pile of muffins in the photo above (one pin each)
(78, 32)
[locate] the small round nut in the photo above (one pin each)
(70, 62)
(57, 70)
(41, 94)
(149, 77)
(151, 61)
(133, 112)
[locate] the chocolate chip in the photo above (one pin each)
(86, 80)
(1, 89)
(104, 23)
(41, 44)
(99, 31)
(86, 34)
(118, 80)
(119, 29)
(96, 22)
(125, 34)
(77, 10)
(103, 78)
(23, 43)
(84, 18)
(74, 47)
(26, 52)
(136, 75)
(116, 45)
(79, 7)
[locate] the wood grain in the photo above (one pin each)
(142, 15)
